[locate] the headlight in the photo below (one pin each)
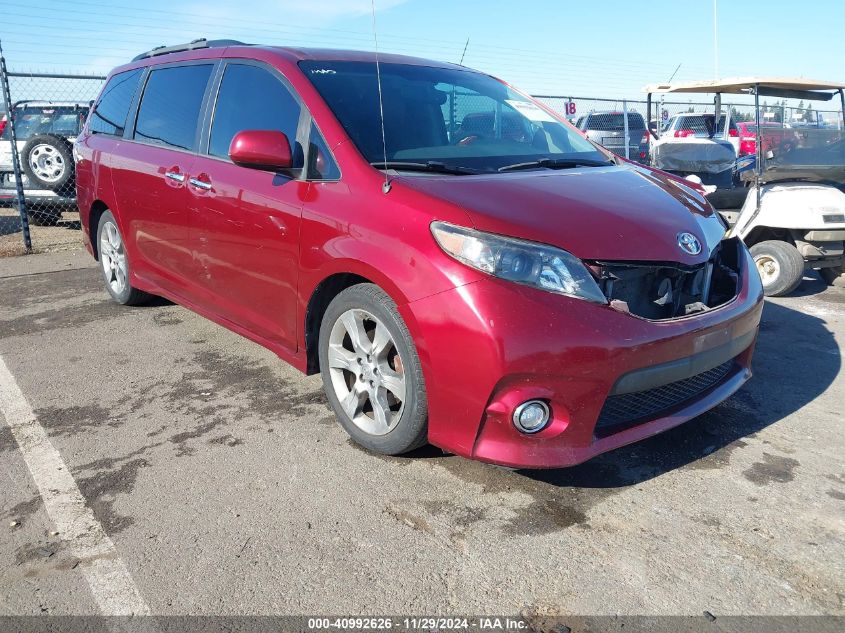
(529, 263)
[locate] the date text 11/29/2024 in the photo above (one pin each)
(421, 623)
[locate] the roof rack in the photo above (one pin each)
(178, 48)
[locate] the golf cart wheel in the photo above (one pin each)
(780, 265)
(834, 276)
(371, 372)
(48, 162)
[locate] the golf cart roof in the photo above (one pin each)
(769, 87)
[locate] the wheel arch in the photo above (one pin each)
(98, 207)
(322, 295)
(343, 275)
(764, 233)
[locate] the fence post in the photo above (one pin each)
(627, 133)
(16, 163)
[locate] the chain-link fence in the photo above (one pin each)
(41, 116)
(37, 189)
(789, 112)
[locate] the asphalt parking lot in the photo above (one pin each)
(226, 487)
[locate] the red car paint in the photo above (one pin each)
(250, 255)
(775, 137)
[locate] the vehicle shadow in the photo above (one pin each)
(10, 224)
(812, 284)
(796, 359)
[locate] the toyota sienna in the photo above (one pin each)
(460, 265)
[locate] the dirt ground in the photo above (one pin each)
(65, 235)
(227, 487)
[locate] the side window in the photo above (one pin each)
(170, 107)
(321, 165)
(109, 115)
(252, 98)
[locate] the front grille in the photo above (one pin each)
(626, 409)
(665, 290)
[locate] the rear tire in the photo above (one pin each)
(114, 263)
(780, 265)
(371, 372)
(834, 276)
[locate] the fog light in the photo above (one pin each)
(531, 416)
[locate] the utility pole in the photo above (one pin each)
(715, 40)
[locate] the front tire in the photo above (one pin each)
(114, 263)
(780, 265)
(371, 372)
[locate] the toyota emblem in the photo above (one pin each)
(689, 243)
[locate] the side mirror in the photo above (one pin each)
(261, 149)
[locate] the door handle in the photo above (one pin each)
(200, 184)
(175, 175)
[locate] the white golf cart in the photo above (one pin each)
(793, 216)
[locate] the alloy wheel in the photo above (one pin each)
(113, 258)
(367, 373)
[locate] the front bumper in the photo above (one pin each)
(490, 345)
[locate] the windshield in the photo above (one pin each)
(460, 118)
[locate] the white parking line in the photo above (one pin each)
(111, 584)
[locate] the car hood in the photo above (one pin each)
(597, 213)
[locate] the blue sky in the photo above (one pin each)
(609, 48)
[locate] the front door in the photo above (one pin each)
(245, 222)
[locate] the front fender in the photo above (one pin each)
(385, 239)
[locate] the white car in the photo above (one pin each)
(695, 125)
(45, 132)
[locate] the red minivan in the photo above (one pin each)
(458, 262)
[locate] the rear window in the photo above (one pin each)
(170, 107)
(694, 123)
(62, 120)
(702, 123)
(615, 122)
(110, 113)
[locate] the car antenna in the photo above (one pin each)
(461, 63)
(385, 188)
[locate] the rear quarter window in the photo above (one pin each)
(112, 108)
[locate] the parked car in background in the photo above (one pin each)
(701, 126)
(608, 129)
(45, 132)
(485, 279)
(775, 136)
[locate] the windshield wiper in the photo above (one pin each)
(430, 165)
(557, 163)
